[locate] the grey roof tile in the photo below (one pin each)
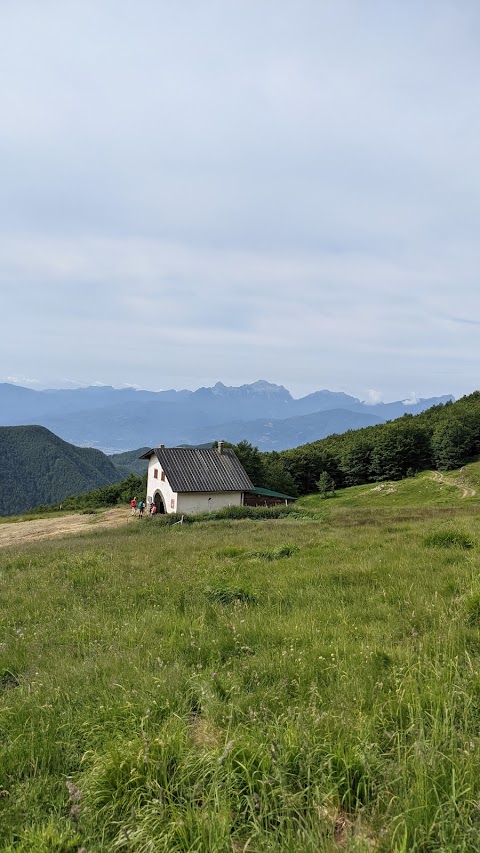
(202, 469)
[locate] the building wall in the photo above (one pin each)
(186, 502)
(157, 484)
(193, 502)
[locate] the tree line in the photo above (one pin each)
(117, 494)
(443, 437)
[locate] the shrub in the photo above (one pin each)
(8, 680)
(473, 609)
(275, 553)
(349, 775)
(255, 513)
(231, 552)
(166, 520)
(449, 539)
(229, 594)
(47, 837)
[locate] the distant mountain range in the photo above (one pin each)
(115, 420)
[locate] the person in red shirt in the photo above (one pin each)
(133, 505)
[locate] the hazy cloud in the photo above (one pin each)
(240, 189)
(466, 321)
(373, 397)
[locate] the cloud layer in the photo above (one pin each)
(233, 190)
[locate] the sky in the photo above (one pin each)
(207, 190)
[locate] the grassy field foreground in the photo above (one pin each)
(287, 685)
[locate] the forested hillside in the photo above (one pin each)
(130, 462)
(444, 437)
(37, 467)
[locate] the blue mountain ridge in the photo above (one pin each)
(264, 413)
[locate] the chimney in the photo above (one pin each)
(220, 447)
(161, 445)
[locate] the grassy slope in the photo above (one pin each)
(421, 490)
(200, 695)
(35, 516)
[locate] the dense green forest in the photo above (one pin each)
(443, 437)
(37, 467)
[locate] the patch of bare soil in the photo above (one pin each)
(24, 532)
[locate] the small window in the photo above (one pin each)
(163, 476)
(155, 473)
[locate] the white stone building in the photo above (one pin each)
(190, 480)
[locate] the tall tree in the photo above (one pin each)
(452, 443)
(252, 461)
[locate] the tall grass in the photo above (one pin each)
(250, 685)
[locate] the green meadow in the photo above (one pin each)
(306, 683)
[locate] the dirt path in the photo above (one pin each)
(467, 491)
(22, 532)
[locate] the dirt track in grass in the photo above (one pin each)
(24, 532)
(467, 491)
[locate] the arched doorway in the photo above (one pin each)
(159, 502)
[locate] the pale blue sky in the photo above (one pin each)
(241, 189)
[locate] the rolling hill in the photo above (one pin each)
(37, 467)
(276, 434)
(130, 462)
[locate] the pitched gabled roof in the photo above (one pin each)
(196, 469)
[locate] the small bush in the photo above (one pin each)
(473, 610)
(8, 680)
(166, 520)
(49, 837)
(275, 553)
(221, 594)
(348, 773)
(230, 552)
(449, 539)
(253, 512)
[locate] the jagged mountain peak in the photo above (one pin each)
(118, 419)
(260, 388)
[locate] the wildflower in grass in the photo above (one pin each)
(226, 751)
(75, 794)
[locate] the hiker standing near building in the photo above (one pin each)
(133, 505)
(141, 507)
